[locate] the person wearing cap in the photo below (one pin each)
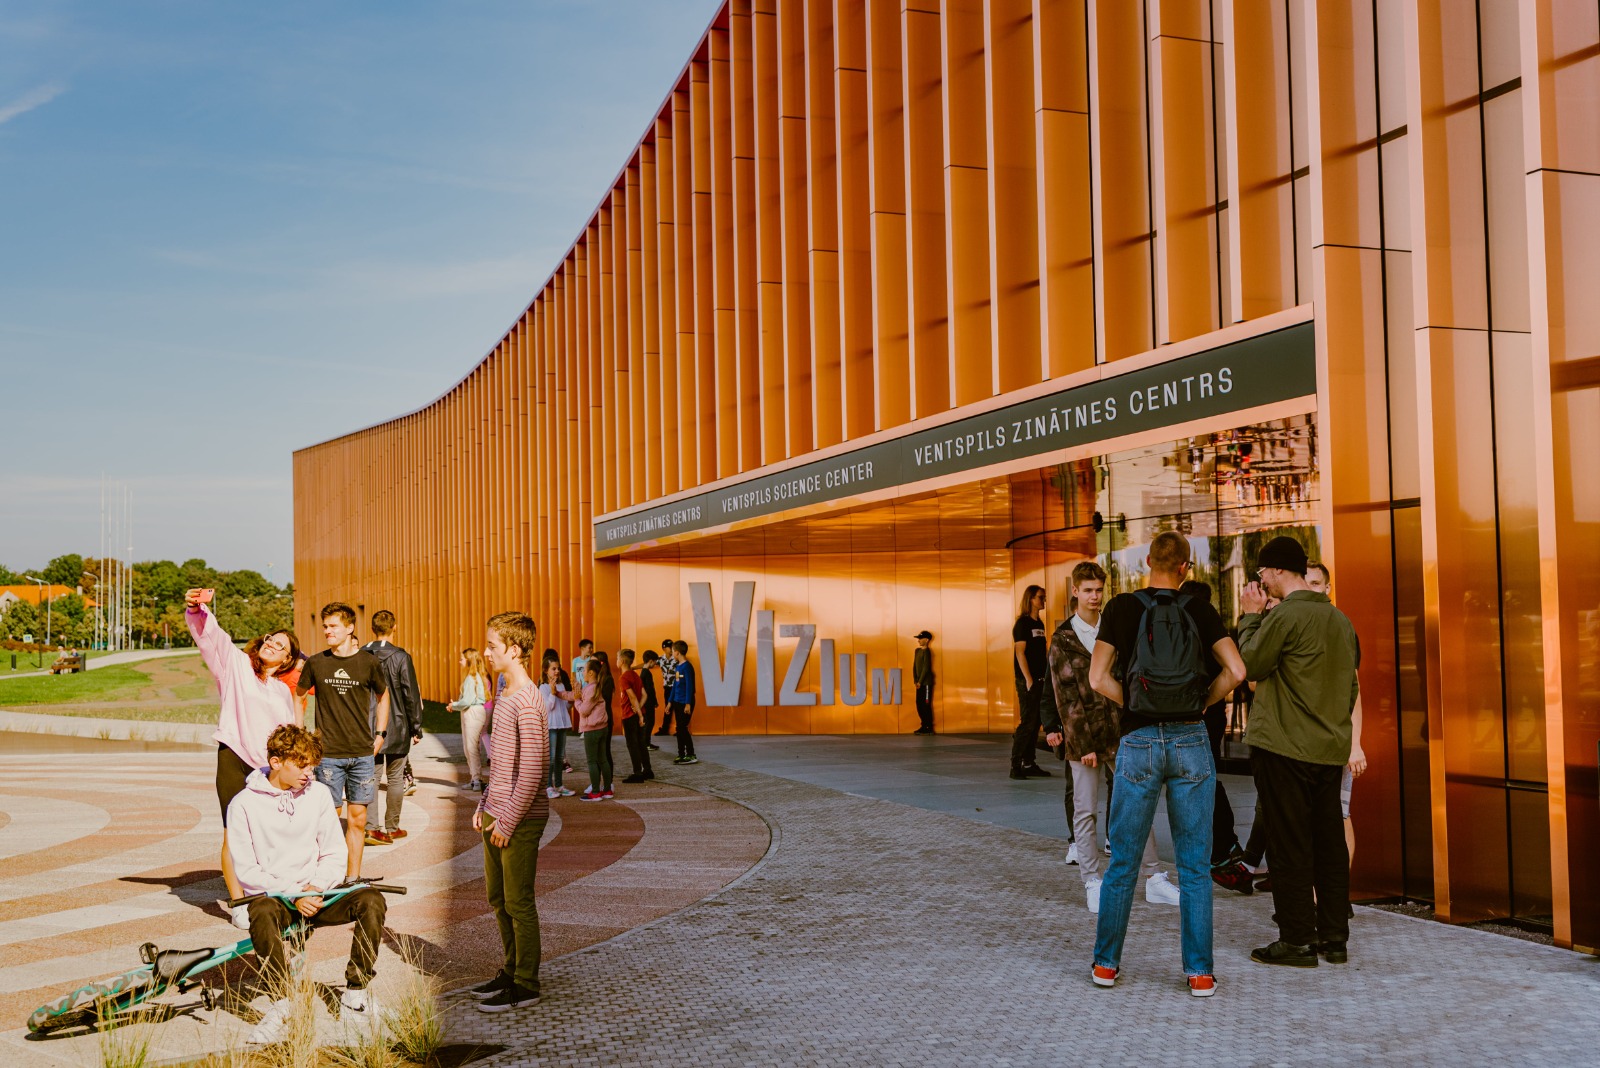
(1303, 657)
(922, 679)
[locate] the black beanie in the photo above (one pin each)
(1283, 553)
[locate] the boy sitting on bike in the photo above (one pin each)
(284, 837)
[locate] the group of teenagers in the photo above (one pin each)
(283, 788)
(1124, 690)
(1131, 690)
(588, 700)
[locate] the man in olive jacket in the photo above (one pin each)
(1303, 657)
(1086, 724)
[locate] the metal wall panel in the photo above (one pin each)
(847, 216)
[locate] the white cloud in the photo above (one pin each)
(33, 98)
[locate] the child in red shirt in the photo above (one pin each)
(634, 729)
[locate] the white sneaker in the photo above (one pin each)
(240, 917)
(1072, 854)
(566, 791)
(1106, 849)
(1158, 890)
(551, 792)
(1091, 891)
(360, 1004)
(273, 1026)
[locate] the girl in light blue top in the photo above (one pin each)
(556, 689)
(474, 696)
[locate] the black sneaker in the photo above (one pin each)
(1287, 954)
(1034, 771)
(1334, 952)
(488, 990)
(653, 748)
(690, 759)
(1018, 773)
(649, 773)
(637, 776)
(512, 997)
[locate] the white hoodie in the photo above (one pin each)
(283, 841)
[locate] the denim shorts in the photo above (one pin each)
(352, 779)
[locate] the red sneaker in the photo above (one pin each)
(1104, 976)
(608, 795)
(1202, 986)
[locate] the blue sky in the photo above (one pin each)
(232, 230)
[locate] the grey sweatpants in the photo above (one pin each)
(1087, 785)
(395, 776)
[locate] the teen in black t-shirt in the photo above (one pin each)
(341, 684)
(1119, 628)
(1029, 644)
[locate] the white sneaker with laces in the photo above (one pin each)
(1158, 890)
(566, 791)
(1072, 854)
(239, 916)
(273, 1026)
(551, 792)
(1091, 891)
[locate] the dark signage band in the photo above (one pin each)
(1261, 370)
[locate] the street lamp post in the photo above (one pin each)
(44, 595)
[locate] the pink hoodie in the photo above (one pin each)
(281, 842)
(251, 708)
(591, 708)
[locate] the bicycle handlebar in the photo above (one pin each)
(329, 895)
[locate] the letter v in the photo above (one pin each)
(722, 675)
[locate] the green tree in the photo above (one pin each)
(64, 570)
(22, 618)
(163, 580)
(198, 575)
(69, 607)
(9, 577)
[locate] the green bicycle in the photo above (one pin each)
(166, 969)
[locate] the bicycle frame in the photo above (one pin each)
(167, 968)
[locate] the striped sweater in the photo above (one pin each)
(519, 761)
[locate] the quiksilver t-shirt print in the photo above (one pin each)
(342, 684)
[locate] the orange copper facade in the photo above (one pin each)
(848, 219)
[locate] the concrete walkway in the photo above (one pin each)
(871, 932)
(879, 933)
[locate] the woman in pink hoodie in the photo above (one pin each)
(255, 701)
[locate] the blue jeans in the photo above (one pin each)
(352, 779)
(1176, 756)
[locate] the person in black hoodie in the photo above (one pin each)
(405, 722)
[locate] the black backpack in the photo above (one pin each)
(1166, 677)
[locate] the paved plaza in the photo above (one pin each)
(746, 912)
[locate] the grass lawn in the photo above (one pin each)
(174, 690)
(32, 661)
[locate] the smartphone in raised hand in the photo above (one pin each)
(206, 596)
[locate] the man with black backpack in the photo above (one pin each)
(1149, 658)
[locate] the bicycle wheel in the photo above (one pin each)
(88, 1003)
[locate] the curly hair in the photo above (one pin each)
(289, 742)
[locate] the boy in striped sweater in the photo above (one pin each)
(512, 813)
